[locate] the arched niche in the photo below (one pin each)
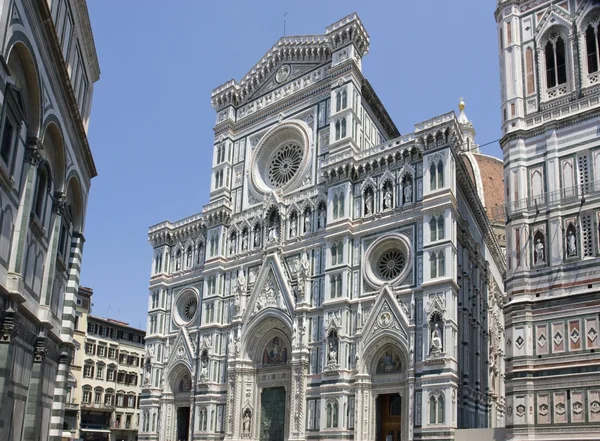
(258, 338)
(24, 72)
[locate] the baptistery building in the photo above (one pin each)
(344, 281)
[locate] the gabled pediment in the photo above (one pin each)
(304, 52)
(386, 317)
(271, 291)
(286, 73)
(553, 17)
(182, 350)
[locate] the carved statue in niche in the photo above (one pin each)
(538, 250)
(571, 240)
(257, 233)
(387, 199)
(232, 243)
(272, 233)
(333, 351)
(148, 373)
(245, 240)
(178, 260)
(188, 262)
(303, 274)
(293, 226)
(368, 203)
(246, 423)
(408, 190)
(241, 281)
(322, 218)
(436, 339)
(388, 363)
(307, 221)
(275, 353)
(204, 365)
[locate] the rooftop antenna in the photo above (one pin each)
(284, 22)
(108, 312)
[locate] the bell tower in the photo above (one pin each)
(550, 95)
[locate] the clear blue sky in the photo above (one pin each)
(151, 123)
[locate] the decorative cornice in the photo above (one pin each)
(304, 48)
(66, 86)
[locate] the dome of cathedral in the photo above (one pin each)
(487, 174)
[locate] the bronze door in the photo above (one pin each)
(272, 414)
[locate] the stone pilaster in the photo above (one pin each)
(60, 387)
(33, 414)
(22, 219)
(8, 332)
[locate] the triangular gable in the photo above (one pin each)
(284, 74)
(386, 317)
(272, 290)
(182, 350)
(553, 17)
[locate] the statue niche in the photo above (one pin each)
(275, 353)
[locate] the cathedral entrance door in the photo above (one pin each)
(183, 423)
(388, 417)
(272, 414)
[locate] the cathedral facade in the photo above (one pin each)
(343, 282)
(550, 74)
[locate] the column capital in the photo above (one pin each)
(34, 149)
(10, 328)
(59, 203)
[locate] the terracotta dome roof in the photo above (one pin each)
(487, 173)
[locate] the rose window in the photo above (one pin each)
(281, 159)
(186, 307)
(285, 163)
(390, 264)
(387, 260)
(190, 308)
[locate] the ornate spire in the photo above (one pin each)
(467, 128)
(462, 117)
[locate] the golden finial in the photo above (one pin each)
(461, 105)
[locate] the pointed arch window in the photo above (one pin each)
(433, 229)
(440, 174)
(433, 265)
(436, 409)
(436, 228)
(530, 79)
(337, 130)
(556, 62)
(343, 135)
(338, 101)
(344, 99)
(436, 175)
(338, 205)
(332, 414)
(592, 44)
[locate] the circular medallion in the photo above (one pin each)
(385, 319)
(283, 73)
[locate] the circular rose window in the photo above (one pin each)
(186, 307)
(387, 260)
(285, 163)
(281, 158)
(390, 264)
